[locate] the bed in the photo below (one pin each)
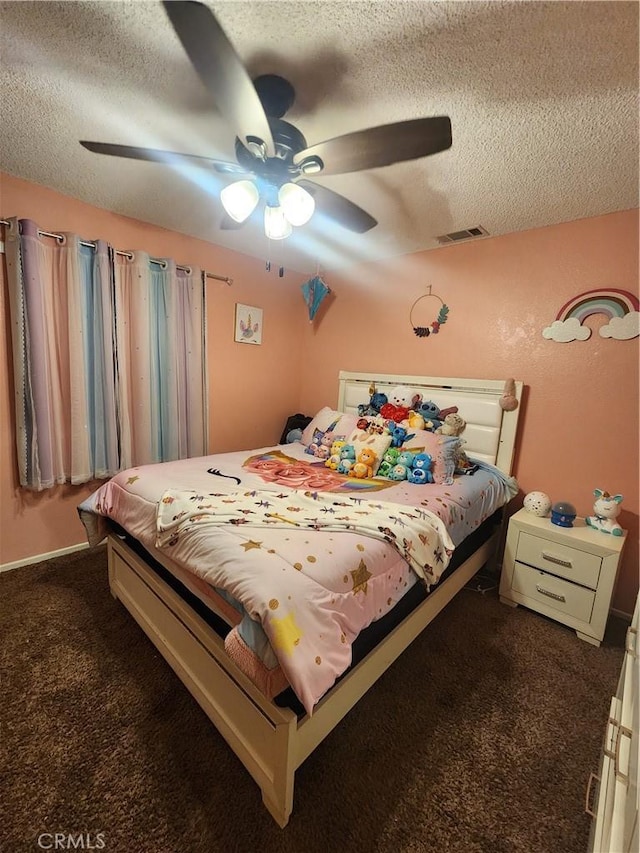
(199, 509)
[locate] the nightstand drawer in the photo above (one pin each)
(570, 563)
(560, 595)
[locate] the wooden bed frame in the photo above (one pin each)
(271, 741)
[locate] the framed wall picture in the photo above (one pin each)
(248, 328)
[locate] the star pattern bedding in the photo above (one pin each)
(275, 571)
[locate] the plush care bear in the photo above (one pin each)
(363, 468)
(399, 472)
(347, 458)
(422, 468)
(334, 457)
(388, 461)
(419, 476)
(405, 457)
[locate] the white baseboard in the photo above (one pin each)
(39, 558)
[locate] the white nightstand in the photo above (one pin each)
(567, 573)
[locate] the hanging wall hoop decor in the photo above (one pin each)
(434, 327)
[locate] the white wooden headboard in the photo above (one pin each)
(490, 434)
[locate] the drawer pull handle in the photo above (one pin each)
(555, 595)
(613, 736)
(624, 777)
(557, 560)
(587, 798)
(631, 642)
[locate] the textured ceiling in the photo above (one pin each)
(543, 100)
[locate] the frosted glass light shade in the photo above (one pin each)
(297, 203)
(240, 199)
(276, 225)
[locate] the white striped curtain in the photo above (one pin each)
(108, 357)
(160, 340)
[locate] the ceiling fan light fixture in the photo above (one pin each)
(240, 199)
(276, 224)
(298, 204)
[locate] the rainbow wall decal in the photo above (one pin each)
(619, 306)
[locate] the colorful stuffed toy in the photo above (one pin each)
(421, 471)
(606, 509)
(376, 402)
(394, 413)
(347, 458)
(334, 457)
(388, 461)
(415, 420)
(363, 467)
(403, 397)
(399, 472)
(405, 457)
(398, 434)
(453, 425)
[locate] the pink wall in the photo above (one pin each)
(579, 421)
(260, 382)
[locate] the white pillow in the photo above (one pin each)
(376, 442)
(322, 421)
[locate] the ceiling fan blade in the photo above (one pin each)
(339, 208)
(157, 156)
(221, 70)
(380, 146)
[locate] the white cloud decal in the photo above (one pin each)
(564, 331)
(622, 328)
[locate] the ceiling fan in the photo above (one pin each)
(273, 158)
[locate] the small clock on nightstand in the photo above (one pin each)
(566, 573)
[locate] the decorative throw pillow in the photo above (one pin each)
(443, 451)
(322, 422)
(378, 443)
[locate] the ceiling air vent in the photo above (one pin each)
(467, 234)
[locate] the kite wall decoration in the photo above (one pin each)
(314, 291)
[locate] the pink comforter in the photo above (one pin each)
(312, 590)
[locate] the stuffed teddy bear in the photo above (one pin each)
(363, 468)
(334, 457)
(347, 459)
(403, 397)
(401, 401)
(399, 472)
(421, 470)
(394, 413)
(388, 461)
(453, 425)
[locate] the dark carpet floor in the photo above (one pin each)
(479, 739)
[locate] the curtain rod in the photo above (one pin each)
(129, 255)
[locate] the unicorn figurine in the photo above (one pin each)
(606, 509)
